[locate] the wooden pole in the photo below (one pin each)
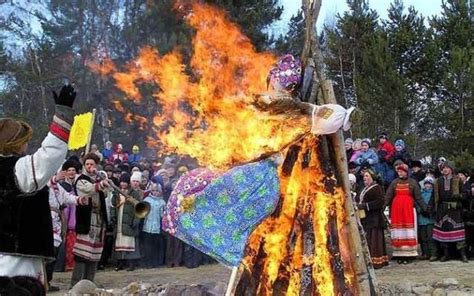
(88, 146)
(365, 273)
(233, 277)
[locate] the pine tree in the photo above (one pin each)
(454, 108)
(293, 41)
(345, 44)
(254, 17)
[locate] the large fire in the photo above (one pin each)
(206, 112)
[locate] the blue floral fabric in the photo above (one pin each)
(226, 211)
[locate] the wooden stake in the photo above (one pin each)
(88, 146)
(233, 277)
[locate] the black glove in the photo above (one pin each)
(66, 96)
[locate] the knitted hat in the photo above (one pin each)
(367, 141)
(349, 141)
(125, 178)
(397, 163)
(383, 136)
(428, 180)
(136, 176)
(442, 159)
(402, 167)
(13, 135)
(450, 165)
(400, 143)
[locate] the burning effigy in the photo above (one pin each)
(285, 225)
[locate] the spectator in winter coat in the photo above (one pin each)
(95, 149)
(426, 222)
(107, 151)
(127, 248)
(468, 209)
(153, 238)
(356, 146)
(417, 172)
(348, 146)
(387, 146)
(368, 157)
(135, 157)
(400, 152)
(119, 154)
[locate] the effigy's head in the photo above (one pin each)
(286, 74)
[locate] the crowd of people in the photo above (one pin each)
(109, 231)
(430, 208)
(81, 213)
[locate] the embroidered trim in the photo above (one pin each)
(59, 131)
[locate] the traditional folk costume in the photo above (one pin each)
(70, 215)
(26, 234)
(58, 199)
(90, 227)
(371, 201)
(402, 194)
(449, 226)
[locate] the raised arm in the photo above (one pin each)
(33, 172)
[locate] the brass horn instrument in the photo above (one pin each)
(142, 208)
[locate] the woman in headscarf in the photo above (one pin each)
(370, 205)
(402, 194)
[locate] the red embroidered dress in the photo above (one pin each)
(403, 220)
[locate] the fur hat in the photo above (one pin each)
(416, 163)
(13, 135)
(136, 176)
(71, 163)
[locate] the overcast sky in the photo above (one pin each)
(330, 8)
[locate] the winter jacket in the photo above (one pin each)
(369, 157)
(427, 196)
(389, 148)
(130, 223)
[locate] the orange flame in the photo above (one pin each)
(206, 113)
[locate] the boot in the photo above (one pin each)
(463, 255)
(131, 266)
(119, 265)
(445, 255)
